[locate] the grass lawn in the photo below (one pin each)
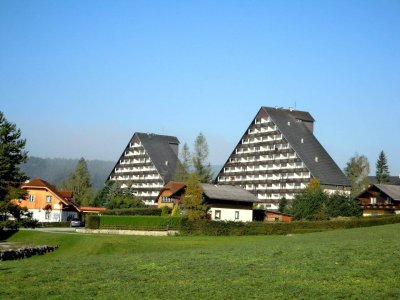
(355, 263)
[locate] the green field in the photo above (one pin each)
(355, 263)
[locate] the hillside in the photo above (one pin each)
(55, 170)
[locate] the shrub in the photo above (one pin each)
(176, 211)
(92, 221)
(205, 227)
(165, 210)
(147, 211)
(140, 222)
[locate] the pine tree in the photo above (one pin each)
(357, 170)
(382, 169)
(200, 155)
(182, 169)
(12, 155)
(79, 183)
(192, 200)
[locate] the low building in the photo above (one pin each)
(224, 202)
(47, 204)
(275, 216)
(171, 194)
(228, 202)
(380, 199)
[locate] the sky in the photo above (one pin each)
(80, 77)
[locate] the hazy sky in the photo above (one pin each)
(80, 77)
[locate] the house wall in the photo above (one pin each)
(228, 214)
(36, 207)
(273, 217)
(160, 203)
(54, 215)
(39, 201)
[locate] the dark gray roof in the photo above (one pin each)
(325, 169)
(393, 191)
(228, 192)
(392, 180)
(163, 152)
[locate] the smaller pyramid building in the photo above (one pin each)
(146, 164)
(278, 155)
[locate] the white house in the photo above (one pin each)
(228, 202)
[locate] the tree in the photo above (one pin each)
(192, 200)
(357, 170)
(343, 205)
(12, 155)
(309, 203)
(200, 155)
(182, 169)
(283, 205)
(176, 211)
(382, 169)
(79, 183)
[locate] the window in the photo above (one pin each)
(373, 200)
(48, 199)
(165, 199)
(236, 215)
(47, 214)
(217, 215)
(31, 198)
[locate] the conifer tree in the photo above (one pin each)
(12, 155)
(79, 183)
(382, 169)
(192, 200)
(200, 156)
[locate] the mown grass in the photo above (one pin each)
(356, 263)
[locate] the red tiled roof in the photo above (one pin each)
(40, 183)
(174, 186)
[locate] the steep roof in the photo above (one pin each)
(160, 148)
(321, 165)
(394, 180)
(393, 191)
(173, 186)
(228, 192)
(63, 195)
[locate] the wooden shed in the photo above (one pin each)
(276, 216)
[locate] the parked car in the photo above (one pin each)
(76, 223)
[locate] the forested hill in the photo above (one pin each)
(55, 170)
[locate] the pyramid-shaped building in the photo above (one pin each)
(278, 155)
(146, 164)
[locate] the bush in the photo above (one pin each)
(147, 211)
(139, 222)
(165, 210)
(92, 221)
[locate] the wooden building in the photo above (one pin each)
(275, 216)
(47, 204)
(146, 164)
(380, 199)
(278, 155)
(171, 194)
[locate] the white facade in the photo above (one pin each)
(231, 214)
(54, 215)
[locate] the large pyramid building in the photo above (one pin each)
(278, 155)
(147, 163)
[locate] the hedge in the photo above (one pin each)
(205, 227)
(140, 222)
(147, 211)
(92, 221)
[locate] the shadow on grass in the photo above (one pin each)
(5, 234)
